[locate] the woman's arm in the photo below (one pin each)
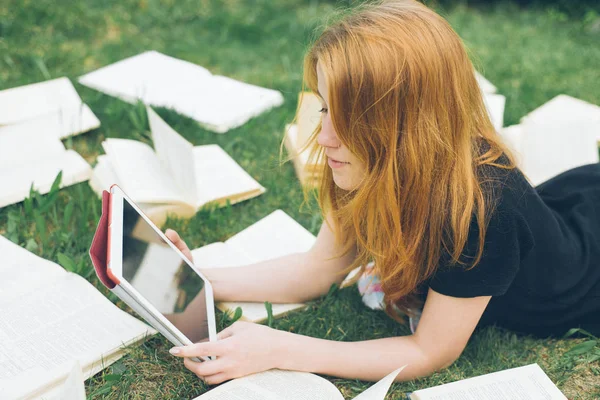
(444, 329)
(292, 278)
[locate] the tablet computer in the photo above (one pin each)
(151, 275)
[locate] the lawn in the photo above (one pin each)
(531, 55)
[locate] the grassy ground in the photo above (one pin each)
(531, 55)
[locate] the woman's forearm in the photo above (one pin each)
(292, 278)
(366, 360)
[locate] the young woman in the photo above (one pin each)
(417, 182)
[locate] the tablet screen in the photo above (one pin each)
(162, 276)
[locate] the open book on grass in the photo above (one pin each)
(173, 177)
(289, 385)
(528, 382)
(32, 157)
(52, 107)
(276, 235)
(216, 102)
(50, 318)
(559, 135)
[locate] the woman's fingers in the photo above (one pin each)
(206, 368)
(174, 237)
(204, 349)
(216, 378)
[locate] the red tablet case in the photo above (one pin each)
(100, 245)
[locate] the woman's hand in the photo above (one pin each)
(179, 243)
(242, 349)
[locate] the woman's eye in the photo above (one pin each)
(322, 110)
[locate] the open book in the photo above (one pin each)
(289, 385)
(32, 157)
(297, 136)
(528, 382)
(274, 236)
(559, 135)
(52, 107)
(50, 318)
(174, 177)
(216, 102)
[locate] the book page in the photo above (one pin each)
(485, 85)
(217, 255)
(218, 103)
(154, 78)
(380, 389)
(142, 176)
(39, 144)
(16, 180)
(523, 383)
(275, 385)
(495, 108)
(50, 318)
(26, 102)
(274, 236)
(219, 177)
(176, 154)
(512, 136)
(62, 123)
(556, 139)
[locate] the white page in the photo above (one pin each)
(495, 107)
(50, 318)
(302, 156)
(176, 154)
(74, 387)
(141, 174)
(60, 124)
(217, 255)
(156, 79)
(275, 385)
(38, 99)
(523, 383)
(485, 85)
(16, 180)
(18, 266)
(219, 177)
(308, 116)
(103, 175)
(512, 136)
(560, 135)
(20, 145)
(380, 389)
(275, 235)
(575, 109)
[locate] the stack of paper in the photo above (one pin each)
(33, 157)
(216, 102)
(559, 135)
(53, 108)
(297, 136)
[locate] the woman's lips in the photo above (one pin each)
(335, 164)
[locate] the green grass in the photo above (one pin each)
(530, 55)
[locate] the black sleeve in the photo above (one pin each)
(508, 239)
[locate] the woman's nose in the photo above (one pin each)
(327, 137)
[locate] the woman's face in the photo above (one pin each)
(348, 171)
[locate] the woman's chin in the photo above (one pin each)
(342, 183)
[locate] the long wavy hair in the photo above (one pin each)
(404, 99)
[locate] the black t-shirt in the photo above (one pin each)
(541, 255)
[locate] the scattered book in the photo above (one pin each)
(216, 102)
(494, 104)
(52, 107)
(289, 385)
(50, 318)
(31, 157)
(528, 382)
(174, 177)
(560, 135)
